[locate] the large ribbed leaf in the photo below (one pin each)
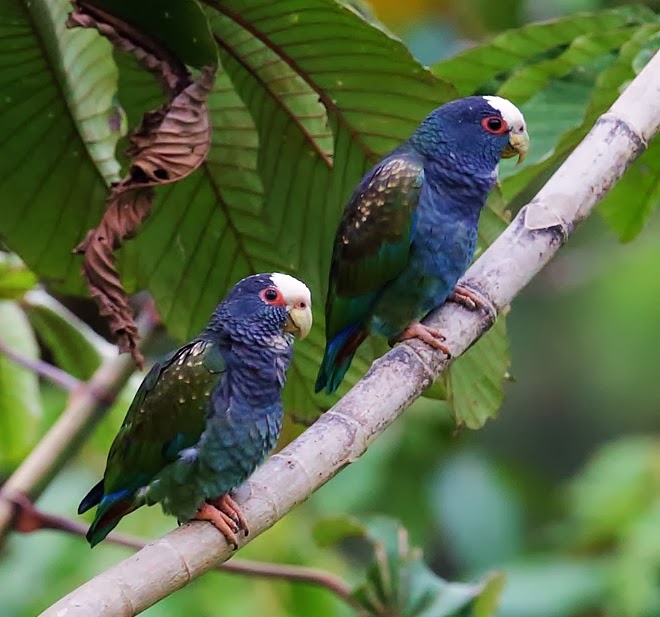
(59, 128)
(475, 67)
(618, 70)
(474, 383)
(298, 115)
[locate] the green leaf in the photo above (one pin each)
(629, 205)
(20, 402)
(608, 86)
(488, 602)
(555, 586)
(74, 345)
(331, 530)
(467, 485)
(398, 582)
(474, 384)
(475, 67)
(635, 571)
(619, 483)
(178, 25)
(58, 127)
(528, 80)
(565, 101)
(15, 278)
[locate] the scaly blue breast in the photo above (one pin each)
(443, 244)
(235, 441)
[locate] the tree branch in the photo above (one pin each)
(37, 520)
(85, 408)
(394, 381)
(55, 375)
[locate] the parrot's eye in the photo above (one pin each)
(495, 125)
(272, 295)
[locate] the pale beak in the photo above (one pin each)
(518, 146)
(299, 321)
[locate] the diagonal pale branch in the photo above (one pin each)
(343, 434)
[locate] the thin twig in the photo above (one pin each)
(55, 375)
(36, 520)
(85, 408)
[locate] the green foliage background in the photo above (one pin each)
(560, 492)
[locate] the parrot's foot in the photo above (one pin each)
(472, 300)
(467, 298)
(229, 507)
(431, 336)
(222, 522)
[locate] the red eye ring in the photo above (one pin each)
(272, 295)
(495, 125)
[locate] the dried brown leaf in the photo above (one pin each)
(173, 141)
(124, 213)
(151, 55)
(170, 143)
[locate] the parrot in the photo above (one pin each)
(207, 415)
(409, 230)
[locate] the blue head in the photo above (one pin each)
(474, 131)
(263, 307)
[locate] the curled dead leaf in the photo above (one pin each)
(124, 213)
(170, 143)
(152, 56)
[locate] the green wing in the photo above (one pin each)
(166, 415)
(372, 245)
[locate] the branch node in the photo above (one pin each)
(622, 125)
(538, 216)
(358, 437)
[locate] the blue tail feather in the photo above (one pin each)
(112, 508)
(93, 498)
(337, 359)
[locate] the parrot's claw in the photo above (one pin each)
(466, 297)
(471, 300)
(229, 507)
(222, 522)
(431, 336)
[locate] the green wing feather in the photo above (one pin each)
(166, 415)
(372, 245)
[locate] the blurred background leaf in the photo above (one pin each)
(20, 401)
(398, 582)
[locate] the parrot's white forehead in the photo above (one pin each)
(291, 288)
(510, 113)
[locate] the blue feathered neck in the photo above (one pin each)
(256, 350)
